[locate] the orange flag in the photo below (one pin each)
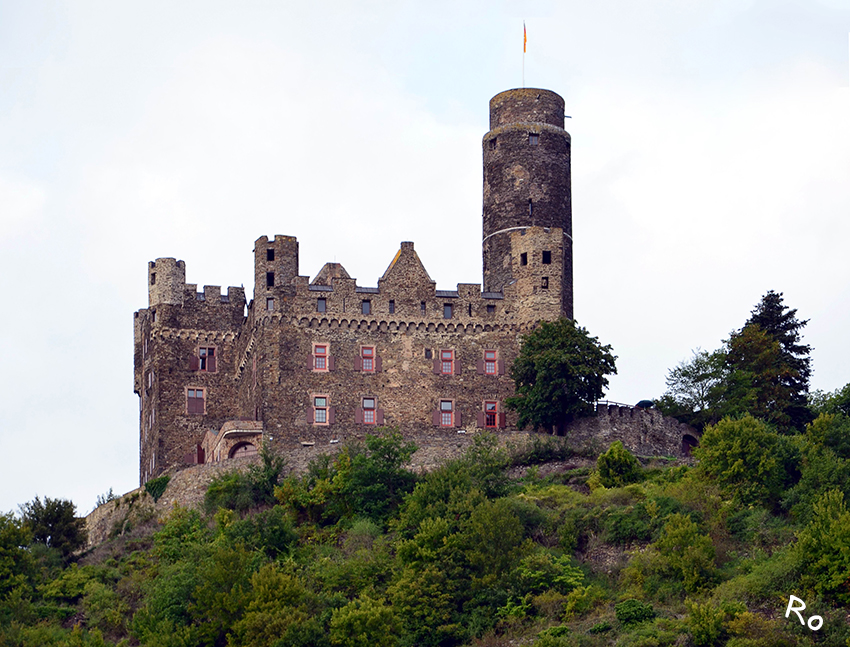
(524, 37)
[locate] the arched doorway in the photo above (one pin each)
(688, 443)
(242, 449)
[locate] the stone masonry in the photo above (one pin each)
(315, 363)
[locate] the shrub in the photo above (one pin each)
(746, 459)
(617, 467)
(156, 487)
(632, 612)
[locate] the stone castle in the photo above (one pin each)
(318, 362)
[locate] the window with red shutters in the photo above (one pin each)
(369, 411)
(206, 359)
(320, 410)
(195, 401)
(320, 360)
(367, 359)
(447, 362)
(446, 413)
(491, 414)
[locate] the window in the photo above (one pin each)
(428, 353)
(490, 359)
(321, 305)
(493, 144)
(447, 311)
(533, 139)
(530, 207)
(547, 258)
(269, 279)
(206, 359)
(369, 411)
(544, 283)
(200, 296)
(491, 308)
(195, 401)
(366, 307)
(392, 306)
(491, 414)
(447, 362)
(153, 316)
(269, 304)
(320, 358)
(320, 410)
(523, 259)
(367, 357)
(446, 413)
(270, 254)
(422, 307)
(153, 278)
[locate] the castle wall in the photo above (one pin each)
(265, 366)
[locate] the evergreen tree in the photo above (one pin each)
(782, 325)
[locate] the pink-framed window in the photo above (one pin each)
(320, 357)
(446, 413)
(367, 354)
(491, 414)
(207, 359)
(195, 400)
(369, 409)
(447, 362)
(321, 410)
(491, 358)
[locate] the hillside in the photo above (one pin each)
(535, 546)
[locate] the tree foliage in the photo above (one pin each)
(54, 523)
(763, 369)
(617, 467)
(560, 372)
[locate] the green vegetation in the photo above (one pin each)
(358, 550)
(559, 374)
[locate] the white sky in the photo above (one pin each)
(711, 160)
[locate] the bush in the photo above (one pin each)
(156, 487)
(632, 612)
(747, 460)
(617, 467)
(252, 488)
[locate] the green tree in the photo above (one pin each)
(617, 467)
(15, 560)
(780, 323)
(53, 522)
(758, 378)
(560, 372)
(823, 548)
(746, 459)
(695, 388)
(365, 622)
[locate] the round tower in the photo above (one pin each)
(526, 184)
(166, 281)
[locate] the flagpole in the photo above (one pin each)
(524, 41)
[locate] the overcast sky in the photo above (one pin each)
(710, 157)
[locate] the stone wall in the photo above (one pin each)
(644, 432)
(187, 486)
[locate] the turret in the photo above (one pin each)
(527, 184)
(275, 264)
(166, 282)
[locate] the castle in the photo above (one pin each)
(318, 362)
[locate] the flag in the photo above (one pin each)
(524, 37)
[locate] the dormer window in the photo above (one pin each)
(533, 139)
